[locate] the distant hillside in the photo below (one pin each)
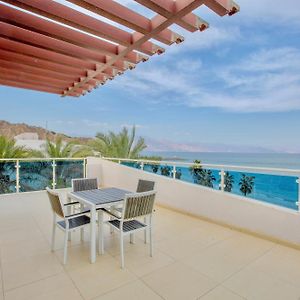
(11, 130)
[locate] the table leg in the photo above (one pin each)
(93, 235)
(82, 229)
(69, 212)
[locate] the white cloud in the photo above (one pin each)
(271, 10)
(265, 81)
(207, 39)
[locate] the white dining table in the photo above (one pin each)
(94, 200)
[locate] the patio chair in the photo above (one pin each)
(68, 223)
(135, 206)
(143, 186)
(83, 184)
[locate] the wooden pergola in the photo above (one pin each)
(57, 48)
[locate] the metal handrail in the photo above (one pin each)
(295, 172)
(53, 161)
(222, 168)
(40, 159)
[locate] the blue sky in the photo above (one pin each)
(234, 87)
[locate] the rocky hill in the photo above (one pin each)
(11, 130)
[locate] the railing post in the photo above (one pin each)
(53, 174)
(222, 183)
(84, 167)
(174, 172)
(17, 176)
(142, 165)
(298, 202)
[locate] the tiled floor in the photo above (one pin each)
(193, 259)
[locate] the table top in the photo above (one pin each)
(101, 196)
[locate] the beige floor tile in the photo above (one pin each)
(214, 265)
(280, 262)
(97, 279)
(136, 290)
(245, 248)
(227, 257)
(29, 269)
(221, 293)
(78, 256)
(255, 285)
(22, 234)
(58, 287)
(14, 251)
(140, 263)
(178, 281)
(112, 245)
(183, 245)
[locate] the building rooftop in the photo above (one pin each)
(193, 259)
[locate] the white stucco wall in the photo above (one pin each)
(251, 215)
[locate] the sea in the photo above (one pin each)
(268, 160)
(278, 189)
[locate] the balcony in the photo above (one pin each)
(194, 258)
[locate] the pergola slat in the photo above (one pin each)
(45, 42)
(161, 26)
(40, 63)
(38, 71)
(126, 17)
(38, 52)
(166, 8)
(60, 13)
(60, 83)
(36, 87)
(61, 33)
(49, 46)
(45, 58)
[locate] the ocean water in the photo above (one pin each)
(276, 189)
(271, 160)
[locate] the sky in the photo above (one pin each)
(233, 88)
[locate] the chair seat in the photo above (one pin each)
(128, 225)
(75, 222)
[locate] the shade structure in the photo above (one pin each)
(71, 49)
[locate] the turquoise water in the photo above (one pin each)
(281, 190)
(271, 160)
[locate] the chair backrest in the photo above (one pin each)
(84, 184)
(138, 204)
(145, 186)
(55, 202)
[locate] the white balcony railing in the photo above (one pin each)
(29, 174)
(39, 173)
(291, 176)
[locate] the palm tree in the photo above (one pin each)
(59, 149)
(228, 182)
(178, 174)
(246, 184)
(65, 169)
(196, 170)
(165, 170)
(8, 149)
(202, 176)
(207, 178)
(121, 145)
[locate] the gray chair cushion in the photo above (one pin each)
(75, 222)
(128, 225)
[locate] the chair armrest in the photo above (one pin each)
(110, 213)
(71, 203)
(76, 215)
